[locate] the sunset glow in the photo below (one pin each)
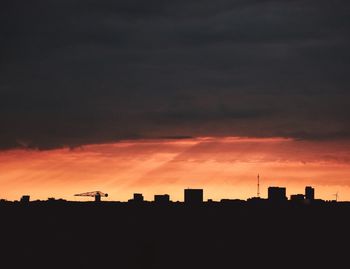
(224, 167)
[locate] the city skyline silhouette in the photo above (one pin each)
(196, 196)
(191, 234)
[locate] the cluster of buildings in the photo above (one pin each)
(192, 196)
(195, 196)
(278, 194)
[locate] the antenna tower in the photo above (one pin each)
(258, 186)
(336, 196)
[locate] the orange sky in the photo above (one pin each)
(224, 167)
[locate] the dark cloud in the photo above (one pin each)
(77, 72)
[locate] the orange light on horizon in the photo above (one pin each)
(225, 167)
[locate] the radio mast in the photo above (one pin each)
(258, 186)
(336, 196)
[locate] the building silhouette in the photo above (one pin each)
(25, 199)
(138, 197)
(309, 193)
(161, 198)
(277, 194)
(193, 196)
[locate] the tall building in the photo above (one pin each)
(309, 193)
(193, 196)
(277, 194)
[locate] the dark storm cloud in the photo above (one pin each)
(78, 72)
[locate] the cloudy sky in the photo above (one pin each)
(82, 72)
(79, 72)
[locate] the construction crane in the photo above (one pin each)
(96, 194)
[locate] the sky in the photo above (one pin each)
(79, 80)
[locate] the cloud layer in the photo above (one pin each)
(81, 72)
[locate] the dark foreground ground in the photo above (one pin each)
(115, 235)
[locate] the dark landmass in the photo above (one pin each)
(231, 234)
